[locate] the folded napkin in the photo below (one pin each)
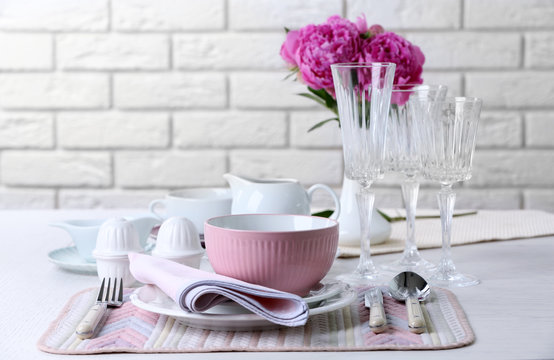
(197, 291)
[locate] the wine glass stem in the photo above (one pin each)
(365, 199)
(410, 190)
(446, 198)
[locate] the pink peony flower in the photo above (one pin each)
(361, 24)
(289, 48)
(312, 50)
(390, 47)
(338, 40)
(376, 29)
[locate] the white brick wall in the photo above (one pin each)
(311, 166)
(494, 14)
(58, 15)
(230, 129)
(75, 169)
(110, 103)
(118, 130)
(327, 136)
(469, 50)
(502, 129)
(227, 51)
(261, 90)
(514, 89)
(169, 169)
(274, 15)
(408, 14)
(112, 52)
(168, 15)
(26, 130)
(538, 129)
(26, 51)
(539, 50)
(169, 90)
(54, 91)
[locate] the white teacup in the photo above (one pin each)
(196, 204)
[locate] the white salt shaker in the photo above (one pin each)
(116, 238)
(178, 240)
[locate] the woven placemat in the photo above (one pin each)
(486, 225)
(133, 330)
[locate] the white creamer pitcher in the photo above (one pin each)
(274, 196)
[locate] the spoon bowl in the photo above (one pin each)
(412, 288)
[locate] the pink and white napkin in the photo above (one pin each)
(197, 291)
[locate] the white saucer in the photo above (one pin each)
(68, 258)
(231, 316)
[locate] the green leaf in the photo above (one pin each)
(321, 123)
(321, 93)
(385, 216)
(314, 98)
(367, 35)
(287, 30)
(293, 72)
(324, 213)
(330, 103)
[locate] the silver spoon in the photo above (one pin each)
(410, 287)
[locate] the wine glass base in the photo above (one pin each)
(452, 280)
(357, 278)
(415, 264)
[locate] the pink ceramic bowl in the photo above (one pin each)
(291, 253)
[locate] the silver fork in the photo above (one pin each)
(106, 297)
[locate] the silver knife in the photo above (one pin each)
(377, 317)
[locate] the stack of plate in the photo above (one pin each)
(231, 316)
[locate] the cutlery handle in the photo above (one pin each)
(377, 318)
(88, 325)
(416, 322)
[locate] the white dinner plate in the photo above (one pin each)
(231, 316)
(68, 258)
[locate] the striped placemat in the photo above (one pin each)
(131, 329)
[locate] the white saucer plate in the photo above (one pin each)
(68, 259)
(231, 316)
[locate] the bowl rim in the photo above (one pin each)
(334, 222)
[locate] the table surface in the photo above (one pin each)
(510, 312)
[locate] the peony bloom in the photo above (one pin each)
(361, 24)
(376, 29)
(390, 47)
(336, 41)
(289, 48)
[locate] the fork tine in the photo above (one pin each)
(108, 288)
(120, 297)
(101, 291)
(114, 292)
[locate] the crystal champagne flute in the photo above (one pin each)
(448, 133)
(363, 92)
(403, 155)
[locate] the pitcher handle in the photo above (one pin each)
(313, 188)
(152, 208)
